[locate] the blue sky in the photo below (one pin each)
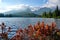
(7, 5)
(29, 2)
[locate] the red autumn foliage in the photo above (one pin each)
(37, 32)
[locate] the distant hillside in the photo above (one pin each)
(26, 12)
(41, 10)
(22, 15)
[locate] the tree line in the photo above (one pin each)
(50, 14)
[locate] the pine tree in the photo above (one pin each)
(44, 14)
(49, 14)
(57, 11)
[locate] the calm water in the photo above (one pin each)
(16, 23)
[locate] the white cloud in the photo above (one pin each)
(0, 1)
(34, 8)
(14, 7)
(17, 7)
(22, 6)
(52, 3)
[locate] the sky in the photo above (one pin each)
(7, 5)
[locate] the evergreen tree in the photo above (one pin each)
(56, 11)
(44, 14)
(49, 14)
(54, 15)
(1, 15)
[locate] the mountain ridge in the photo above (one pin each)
(28, 10)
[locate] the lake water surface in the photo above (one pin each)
(16, 23)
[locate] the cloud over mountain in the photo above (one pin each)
(50, 3)
(17, 7)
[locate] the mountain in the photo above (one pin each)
(26, 12)
(41, 10)
(21, 13)
(18, 11)
(25, 15)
